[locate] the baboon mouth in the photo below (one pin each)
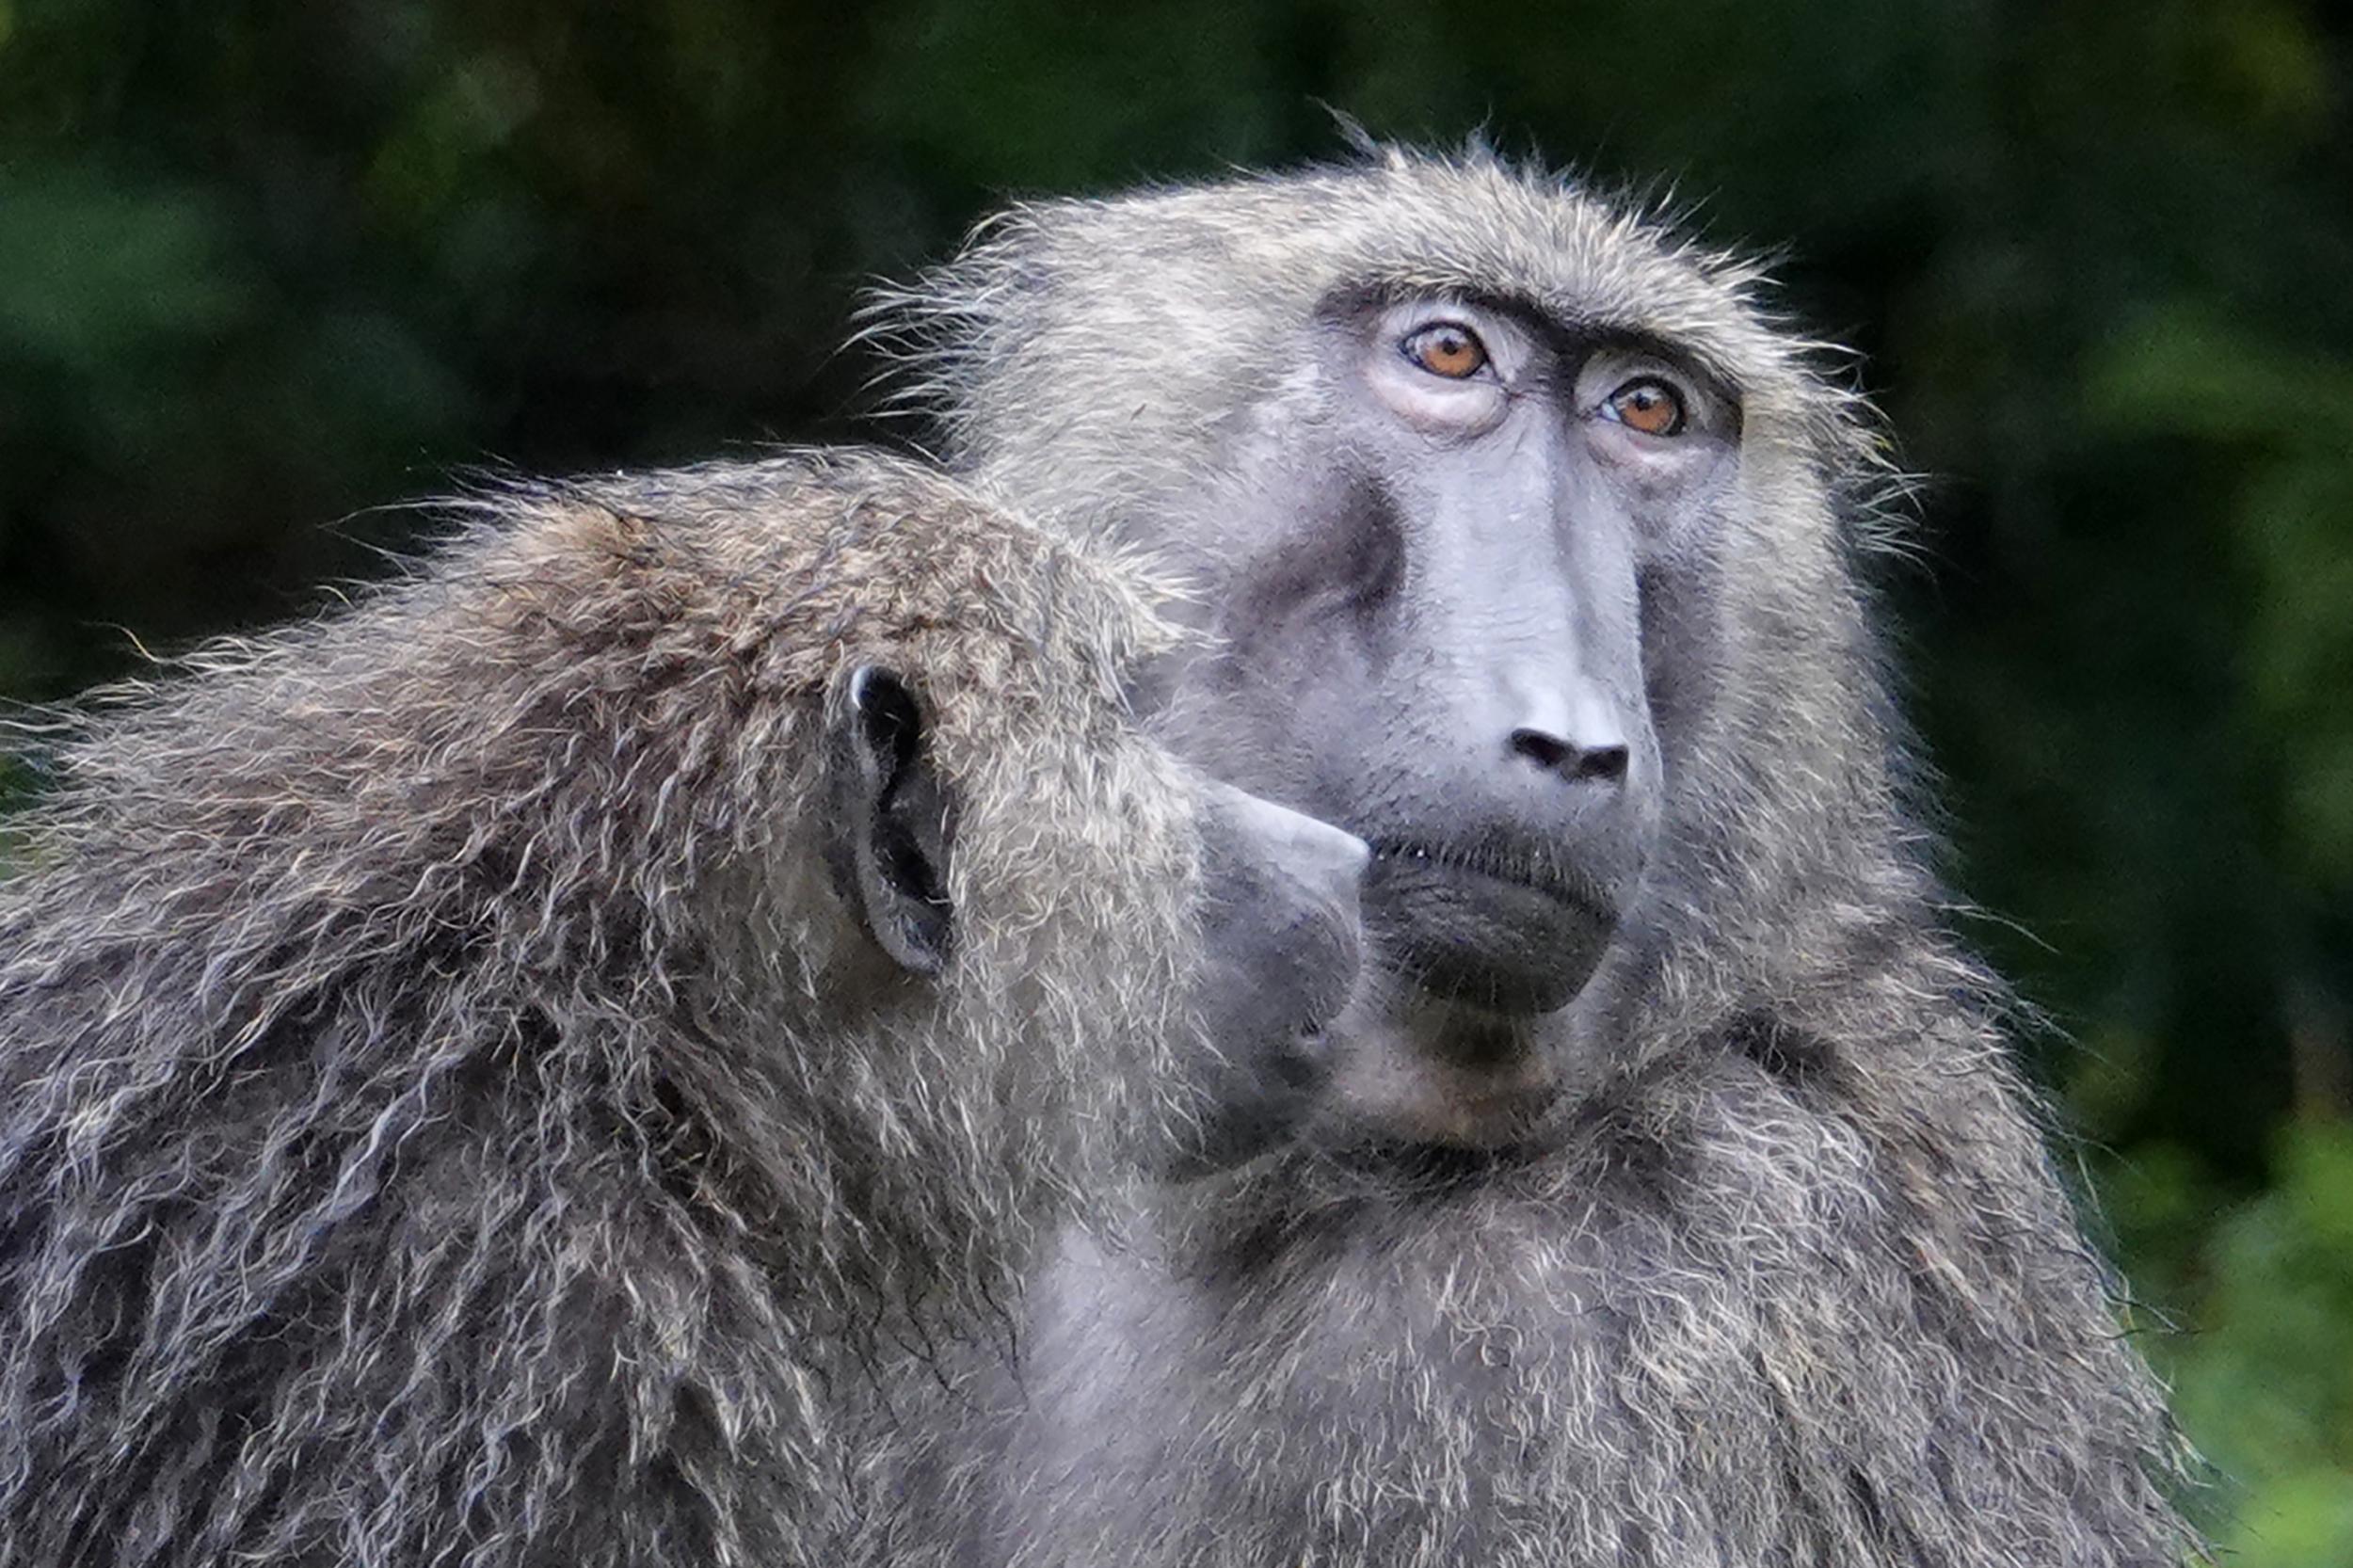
(1531, 873)
(1509, 934)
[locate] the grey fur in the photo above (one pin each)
(445, 1116)
(1793, 1280)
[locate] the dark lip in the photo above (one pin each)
(1486, 922)
(1530, 872)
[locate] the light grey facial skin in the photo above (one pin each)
(1428, 596)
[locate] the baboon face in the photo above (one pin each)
(1424, 570)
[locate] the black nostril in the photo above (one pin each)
(1549, 752)
(1601, 764)
(1597, 764)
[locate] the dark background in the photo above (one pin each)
(265, 268)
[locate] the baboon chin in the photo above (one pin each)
(501, 1075)
(1668, 1196)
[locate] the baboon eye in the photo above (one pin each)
(1648, 405)
(1446, 348)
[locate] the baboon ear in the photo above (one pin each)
(886, 833)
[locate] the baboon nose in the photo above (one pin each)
(1329, 858)
(1319, 852)
(1565, 725)
(1580, 765)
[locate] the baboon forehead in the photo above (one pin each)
(1147, 280)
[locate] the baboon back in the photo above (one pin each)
(446, 1115)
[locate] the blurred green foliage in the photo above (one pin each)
(266, 267)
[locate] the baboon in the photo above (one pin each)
(1671, 1197)
(491, 1076)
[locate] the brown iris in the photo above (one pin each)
(1649, 405)
(1446, 348)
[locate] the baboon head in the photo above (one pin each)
(1002, 927)
(1509, 518)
